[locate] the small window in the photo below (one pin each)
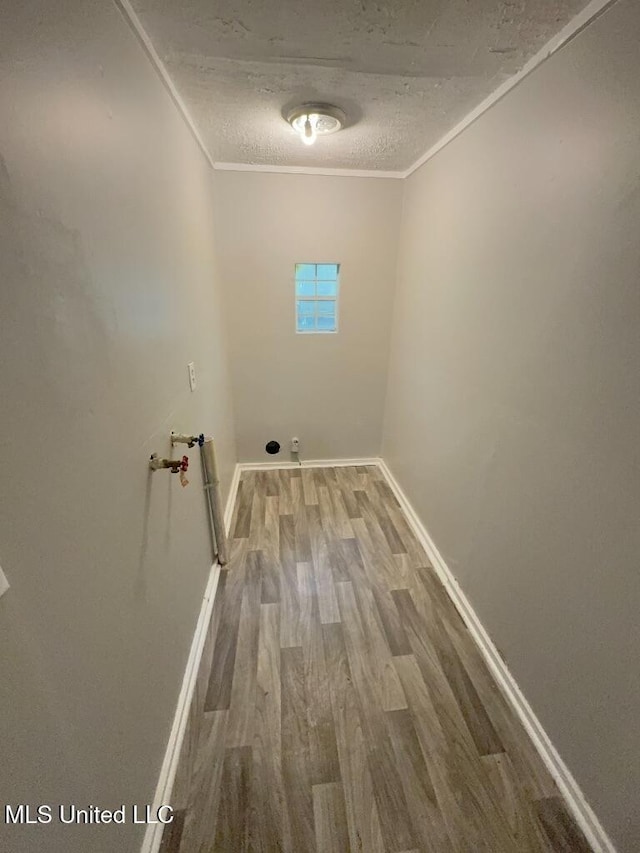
(317, 298)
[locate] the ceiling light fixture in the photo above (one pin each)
(313, 120)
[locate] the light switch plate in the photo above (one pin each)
(4, 583)
(192, 375)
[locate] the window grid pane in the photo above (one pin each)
(306, 324)
(305, 288)
(306, 306)
(327, 271)
(305, 272)
(327, 288)
(326, 324)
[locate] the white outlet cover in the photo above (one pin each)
(192, 375)
(4, 583)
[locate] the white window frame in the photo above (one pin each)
(335, 298)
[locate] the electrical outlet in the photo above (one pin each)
(192, 375)
(295, 445)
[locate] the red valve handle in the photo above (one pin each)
(185, 463)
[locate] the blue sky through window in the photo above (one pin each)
(317, 297)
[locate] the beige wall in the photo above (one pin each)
(513, 415)
(107, 290)
(326, 389)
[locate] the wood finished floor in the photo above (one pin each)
(341, 704)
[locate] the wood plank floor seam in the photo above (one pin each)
(341, 705)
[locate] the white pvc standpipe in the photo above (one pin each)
(212, 487)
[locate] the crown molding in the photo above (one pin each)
(307, 170)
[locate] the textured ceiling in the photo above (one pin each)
(404, 72)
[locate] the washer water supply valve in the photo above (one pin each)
(189, 440)
(176, 466)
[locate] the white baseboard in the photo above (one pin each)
(233, 491)
(153, 835)
(568, 786)
(308, 463)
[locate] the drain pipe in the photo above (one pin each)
(212, 487)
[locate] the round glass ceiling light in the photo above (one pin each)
(313, 120)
